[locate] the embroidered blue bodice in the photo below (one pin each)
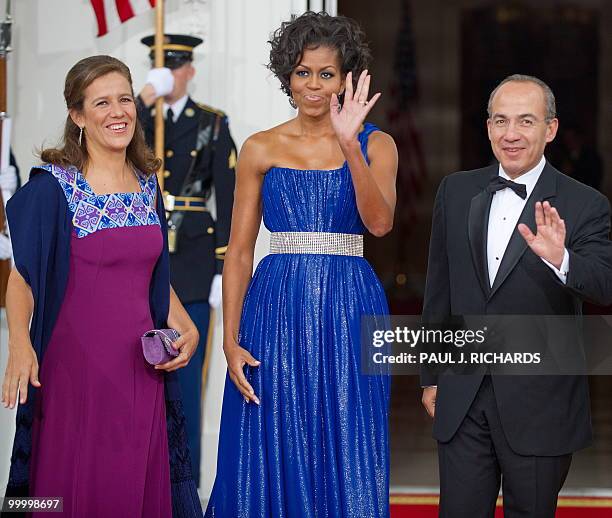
(92, 212)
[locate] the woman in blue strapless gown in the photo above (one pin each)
(303, 431)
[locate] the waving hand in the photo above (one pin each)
(348, 118)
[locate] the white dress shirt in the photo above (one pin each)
(177, 107)
(506, 209)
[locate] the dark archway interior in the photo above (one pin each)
(435, 63)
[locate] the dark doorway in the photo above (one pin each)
(436, 62)
(559, 45)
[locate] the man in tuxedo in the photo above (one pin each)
(514, 238)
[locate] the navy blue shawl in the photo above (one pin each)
(41, 225)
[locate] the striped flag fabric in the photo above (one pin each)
(111, 13)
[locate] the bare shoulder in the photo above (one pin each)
(254, 144)
(382, 140)
(261, 147)
(381, 144)
(254, 153)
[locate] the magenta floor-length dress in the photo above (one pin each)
(99, 431)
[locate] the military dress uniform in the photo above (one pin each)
(199, 139)
(199, 150)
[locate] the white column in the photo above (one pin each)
(300, 6)
(329, 6)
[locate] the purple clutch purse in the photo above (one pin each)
(157, 345)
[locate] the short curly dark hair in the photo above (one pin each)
(313, 30)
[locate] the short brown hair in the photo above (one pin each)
(69, 152)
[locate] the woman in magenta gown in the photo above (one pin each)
(98, 427)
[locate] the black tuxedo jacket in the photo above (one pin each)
(541, 415)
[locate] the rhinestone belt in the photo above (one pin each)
(316, 243)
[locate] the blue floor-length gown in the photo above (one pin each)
(317, 446)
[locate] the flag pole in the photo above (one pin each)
(159, 103)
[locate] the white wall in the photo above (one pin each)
(50, 36)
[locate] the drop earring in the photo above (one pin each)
(80, 136)
(293, 103)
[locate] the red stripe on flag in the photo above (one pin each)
(98, 6)
(124, 9)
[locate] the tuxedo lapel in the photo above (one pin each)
(545, 188)
(478, 221)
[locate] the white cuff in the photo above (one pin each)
(563, 271)
(216, 291)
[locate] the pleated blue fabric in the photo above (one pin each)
(317, 446)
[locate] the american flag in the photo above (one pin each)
(111, 13)
(412, 168)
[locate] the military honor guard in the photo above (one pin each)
(200, 157)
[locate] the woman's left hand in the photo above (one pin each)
(347, 120)
(186, 344)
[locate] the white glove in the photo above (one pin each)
(214, 299)
(6, 250)
(8, 179)
(162, 80)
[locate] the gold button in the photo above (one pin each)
(193, 153)
(166, 173)
(169, 153)
(210, 230)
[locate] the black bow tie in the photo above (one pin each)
(498, 183)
